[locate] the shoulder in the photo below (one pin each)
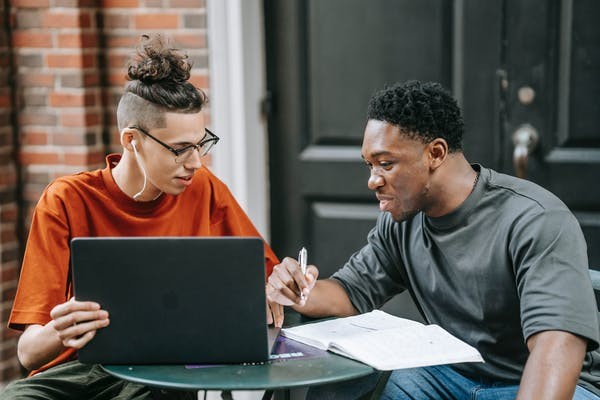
(68, 186)
(530, 211)
(522, 193)
(206, 181)
(207, 187)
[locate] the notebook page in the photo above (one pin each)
(321, 334)
(408, 347)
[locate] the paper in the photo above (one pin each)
(385, 342)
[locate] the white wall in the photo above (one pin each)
(237, 88)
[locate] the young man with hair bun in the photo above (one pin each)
(157, 186)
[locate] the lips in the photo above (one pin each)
(185, 180)
(385, 202)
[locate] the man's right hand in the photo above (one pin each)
(73, 325)
(288, 286)
(76, 322)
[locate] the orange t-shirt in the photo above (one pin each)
(91, 204)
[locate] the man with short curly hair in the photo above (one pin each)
(497, 261)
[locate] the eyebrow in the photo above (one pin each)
(377, 154)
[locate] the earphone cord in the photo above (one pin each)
(138, 194)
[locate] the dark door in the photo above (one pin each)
(531, 65)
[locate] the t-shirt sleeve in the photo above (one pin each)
(551, 271)
(229, 219)
(373, 275)
(44, 278)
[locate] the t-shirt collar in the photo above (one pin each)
(460, 214)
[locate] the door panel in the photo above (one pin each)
(325, 58)
(554, 48)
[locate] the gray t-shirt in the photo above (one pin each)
(511, 261)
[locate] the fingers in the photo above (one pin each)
(277, 311)
(79, 335)
(79, 317)
(76, 322)
(72, 306)
(288, 280)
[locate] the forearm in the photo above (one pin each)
(38, 345)
(553, 366)
(327, 298)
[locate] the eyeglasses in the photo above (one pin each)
(184, 153)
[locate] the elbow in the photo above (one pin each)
(26, 359)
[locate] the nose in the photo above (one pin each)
(375, 181)
(194, 161)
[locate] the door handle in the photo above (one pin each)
(525, 140)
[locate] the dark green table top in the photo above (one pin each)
(317, 368)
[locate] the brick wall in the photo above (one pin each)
(9, 211)
(69, 58)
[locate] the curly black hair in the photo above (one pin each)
(422, 110)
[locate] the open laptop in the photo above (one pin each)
(174, 300)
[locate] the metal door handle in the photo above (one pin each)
(525, 139)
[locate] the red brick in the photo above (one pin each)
(7, 178)
(77, 40)
(8, 273)
(30, 3)
(69, 139)
(34, 116)
(127, 42)
(112, 21)
(57, 19)
(8, 214)
(34, 138)
(84, 158)
(156, 21)
(27, 19)
(200, 81)
(190, 41)
(75, 3)
(29, 39)
(37, 79)
(80, 119)
(70, 60)
(5, 101)
(59, 99)
(119, 3)
(118, 61)
(117, 79)
(187, 3)
(34, 99)
(31, 157)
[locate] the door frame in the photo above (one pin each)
(237, 71)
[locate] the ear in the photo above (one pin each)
(437, 153)
(128, 136)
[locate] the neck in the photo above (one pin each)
(451, 184)
(130, 179)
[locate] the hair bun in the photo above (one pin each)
(155, 61)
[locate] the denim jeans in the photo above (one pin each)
(437, 382)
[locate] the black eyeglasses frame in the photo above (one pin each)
(178, 152)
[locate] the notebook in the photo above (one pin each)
(174, 300)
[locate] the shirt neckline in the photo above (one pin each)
(460, 214)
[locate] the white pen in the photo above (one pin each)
(302, 260)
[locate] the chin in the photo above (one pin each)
(403, 215)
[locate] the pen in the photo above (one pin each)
(302, 260)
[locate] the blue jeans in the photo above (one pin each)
(437, 382)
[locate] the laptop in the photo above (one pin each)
(174, 300)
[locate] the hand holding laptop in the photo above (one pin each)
(76, 322)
